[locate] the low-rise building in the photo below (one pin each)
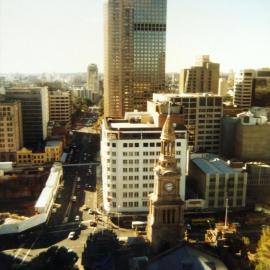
(216, 180)
(52, 152)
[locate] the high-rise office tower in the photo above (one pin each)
(243, 87)
(11, 138)
(201, 78)
(35, 112)
(92, 91)
(135, 37)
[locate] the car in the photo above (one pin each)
(78, 186)
(54, 210)
(77, 218)
(93, 223)
(78, 179)
(82, 226)
(72, 235)
(90, 211)
(74, 199)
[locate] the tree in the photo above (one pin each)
(263, 250)
(54, 258)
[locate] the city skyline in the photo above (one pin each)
(66, 35)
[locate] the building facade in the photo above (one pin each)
(202, 115)
(201, 78)
(35, 112)
(243, 88)
(165, 224)
(252, 138)
(11, 132)
(135, 40)
(51, 152)
(216, 181)
(60, 107)
(92, 91)
(129, 150)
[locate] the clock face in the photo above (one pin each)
(169, 187)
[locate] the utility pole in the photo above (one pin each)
(226, 213)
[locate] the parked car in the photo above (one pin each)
(72, 235)
(77, 218)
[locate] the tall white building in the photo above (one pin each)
(129, 149)
(243, 87)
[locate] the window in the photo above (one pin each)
(130, 194)
(136, 204)
(145, 144)
(125, 195)
(136, 194)
(145, 185)
(136, 185)
(124, 204)
(124, 144)
(144, 204)
(130, 204)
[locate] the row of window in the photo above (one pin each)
(125, 186)
(145, 144)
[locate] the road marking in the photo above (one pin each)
(29, 250)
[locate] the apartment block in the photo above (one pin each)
(60, 107)
(216, 181)
(243, 88)
(201, 78)
(135, 41)
(129, 149)
(202, 115)
(35, 112)
(11, 132)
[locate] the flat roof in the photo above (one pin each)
(213, 165)
(121, 125)
(53, 143)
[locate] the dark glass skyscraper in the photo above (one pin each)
(135, 37)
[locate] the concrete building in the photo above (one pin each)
(261, 88)
(252, 141)
(243, 88)
(60, 107)
(92, 91)
(202, 115)
(135, 40)
(216, 181)
(165, 224)
(129, 150)
(258, 183)
(51, 152)
(11, 132)
(222, 86)
(35, 112)
(201, 78)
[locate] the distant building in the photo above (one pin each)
(129, 150)
(52, 152)
(216, 181)
(35, 112)
(11, 132)
(243, 88)
(261, 88)
(222, 86)
(202, 115)
(135, 40)
(92, 91)
(60, 107)
(201, 78)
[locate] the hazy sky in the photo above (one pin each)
(66, 35)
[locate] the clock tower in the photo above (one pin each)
(166, 209)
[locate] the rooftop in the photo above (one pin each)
(212, 165)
